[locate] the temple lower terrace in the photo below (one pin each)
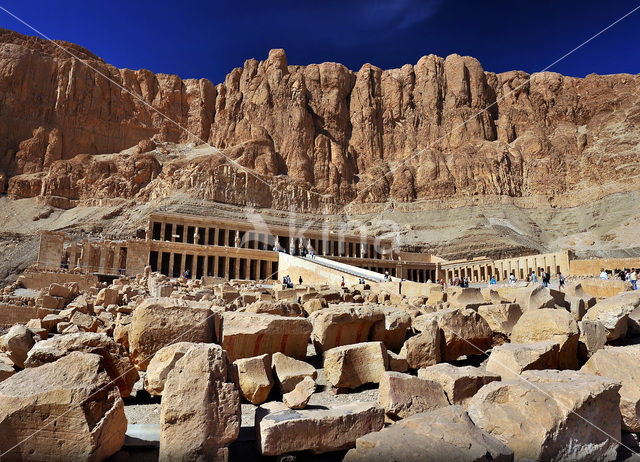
(175, 244)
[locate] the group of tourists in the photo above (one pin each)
(459, 282)
(286, 281)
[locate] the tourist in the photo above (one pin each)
(300, 280)
(544, 278)
(400, 286)
(603, 274)
(512, 278)
(560, 281)
(547, 279)
(466, 283)
(342, 282)
(633, 278)
(493, 281)
(534, 278)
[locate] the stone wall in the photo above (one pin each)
(593, 267)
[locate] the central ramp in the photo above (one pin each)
(321, 270)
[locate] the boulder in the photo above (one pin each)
(397, 363)
(6, 367)
(423, 350)
(554, 325)
(245, 335)
(533, 297)
(576, 290)
(444, 434)
(115, 358)
(350, 366)
(392, 330)
(280, 430)
(161, 364)
(501, 317)
(17, 343)
(469, 298)
(621, 364)
(593, 337)
(280, 308)
(458, 383)
(300, 395)
(613, 313)
(255, 377)
(107, 296)
(577, 307)
(402, 395)
(289, 371)
(201, 411)
(313, 305)
(85, 322)
(551, 415)
(511, 359)
(65, 410)
(158, 322)
(600, 289)
(51, 321)
(342, 325)
(465, 333)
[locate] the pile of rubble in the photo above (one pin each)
(501, 373)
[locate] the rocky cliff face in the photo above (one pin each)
(313, 129)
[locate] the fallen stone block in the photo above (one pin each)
(107, 296)
(423, 350)
(283, 430)
(85, 322)
(501, 317)
(6, 367)
(65, 410)
(459, 383)
(201, 411)
(392, 330)
(300, 395)
(397, 363)
(538, 417)
(614, 313)
(511, 359)
(576, 290)
(402, 395)
(289, 371)
(621, 364)
(161, 364)
(577, 307)
(255, 378)
(593, 337)
(158, 322)
(467, 298)
(557, 325)
(17, 343)
(351, 366)
(465, 333)
(342, 325)
(314, 304)
(248, 334)
(444, 434)
(115, 358)
(605, 289)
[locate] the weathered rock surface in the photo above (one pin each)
(289, 371)
(614, 313)
(158, 322)
(343, 325)
(445, 434)
(512, 359)
(248, 334)
(501, 317)
(283, 430)
(402, 395)
(458, 383)
(553, 415)
(350, 366)
(17, 343)
(255, 378)
(300, 395)
(557, 325)
(161, 364)
(465, 332)
(621, 364)
(424, 349)
(391, 331)
(65, 410)
(593, 337)
(201, 411)
(115, 358)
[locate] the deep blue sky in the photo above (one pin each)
(207, 38)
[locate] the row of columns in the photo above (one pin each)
(502, 270)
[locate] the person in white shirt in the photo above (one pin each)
(604, 275)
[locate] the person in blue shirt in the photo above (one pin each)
(493, 280)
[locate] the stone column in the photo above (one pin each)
(171, 257)
(162, 231)
(183, 263)
(215, 265)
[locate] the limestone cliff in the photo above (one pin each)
(319, 128)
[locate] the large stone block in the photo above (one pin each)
(423, 350)
(161, 364)
(552, 415)
(465, 333)
(458, 383)
(115, 358)
(255, 378)
(158, 322)
(593, 337)
(342, 325)
(392, 330)
(402, 395)
(501, 317)
(469, 298)
(350, 366)
(557, 325)
(248, 334)
(621, 364)
(61, 411)
(289, 371)
(614, 313)
(444, 434)
(280, 430)
(17, 343)
(511, 359)
(201, 411)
